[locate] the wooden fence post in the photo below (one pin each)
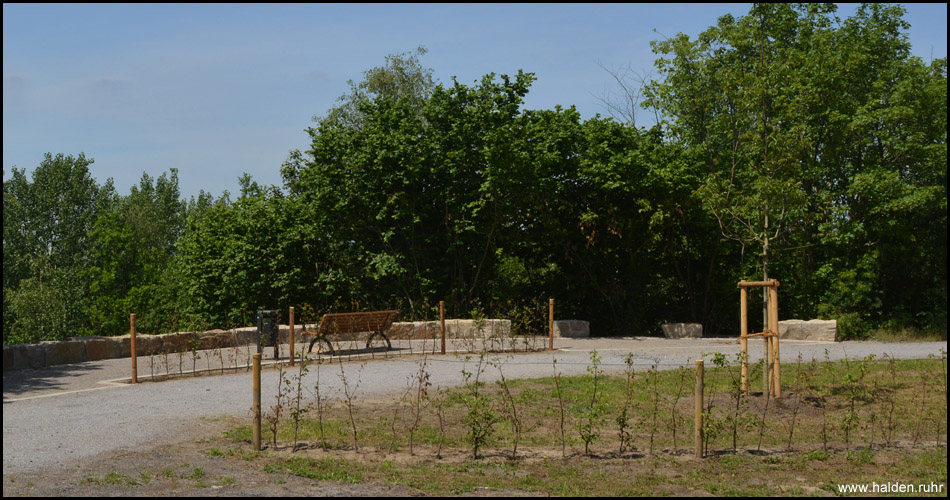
(699, 408)
(135, 366)
(256, 389)
(291, 336)
(550, 324)
(442, 322)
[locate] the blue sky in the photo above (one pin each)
(217, 90)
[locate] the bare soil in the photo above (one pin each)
(169, 469)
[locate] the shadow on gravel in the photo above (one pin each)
(19, 382)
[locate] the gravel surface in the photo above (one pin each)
(45, 428)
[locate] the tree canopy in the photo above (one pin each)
(793, 144)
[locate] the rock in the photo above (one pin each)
(571, 328)
(65, 352)
(816, 330)
(101, 348)
(682, 330)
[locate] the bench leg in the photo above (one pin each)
(369, 342)
(325, 342)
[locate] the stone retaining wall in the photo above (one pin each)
(80, 349)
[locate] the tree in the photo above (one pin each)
(45, 234)
(801, 120)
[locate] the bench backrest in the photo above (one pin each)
(375, 321)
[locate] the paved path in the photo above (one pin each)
(55, 416)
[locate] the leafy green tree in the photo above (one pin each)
(824, 146)
(131, 257)
(45, 234)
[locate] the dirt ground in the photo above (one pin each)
(179, 468)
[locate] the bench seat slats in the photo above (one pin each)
(375, 322)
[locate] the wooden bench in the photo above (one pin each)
(375, 323)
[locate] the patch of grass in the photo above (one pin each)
(112, 479)
(325, 469)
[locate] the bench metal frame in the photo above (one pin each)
(374, 322)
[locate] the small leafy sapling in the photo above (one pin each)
(511, 409)
(560, 404)
(480, 417)
(625, 417)
(588, 426)
(350, 400)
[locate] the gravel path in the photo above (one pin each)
(57, 428)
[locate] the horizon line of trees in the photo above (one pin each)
(792, 145)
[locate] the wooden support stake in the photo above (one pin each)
(773, 326)
(699, 408)
(767, 361)
(291, 336)
(550, 324)
(442, 322)
(135, 366)
(256, 389)
(743, 336)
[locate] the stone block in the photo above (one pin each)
(65, 352)
(101, 348)
(247, 335)
(144, 345)
(571, 328)
(175, 342)
(218, 339)
(28, 356)
(429, 330)
(7, 358)
(682, 330)
(402, 331)
(814, 330)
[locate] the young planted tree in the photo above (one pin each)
(591, 408)
(481, 416)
